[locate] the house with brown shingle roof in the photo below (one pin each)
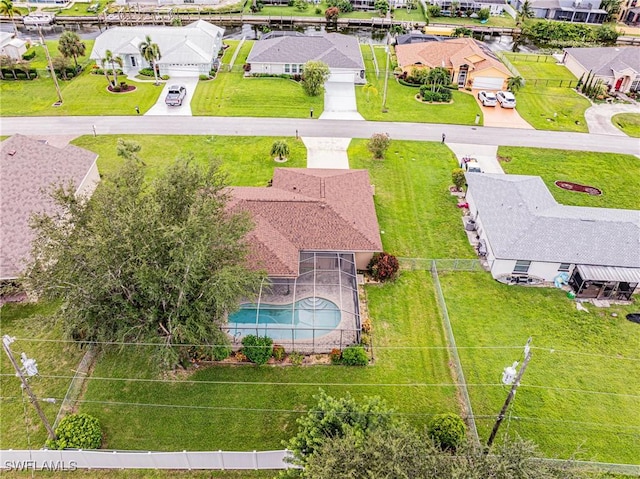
(309, 210)
(470, 63)
(28, 170)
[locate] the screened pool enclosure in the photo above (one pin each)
(315, 312)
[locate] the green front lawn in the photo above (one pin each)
(629, 123)
(579, 396)
(40, 60)
(230, 94)
(615, 174)
(499, 21)
(401, 102)
(246, 160)
(80, 9)
(30, 324)
(545, 105)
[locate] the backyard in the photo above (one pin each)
(401, 104)
(230, 94)
(542, 101)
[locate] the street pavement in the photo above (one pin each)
(238, 126)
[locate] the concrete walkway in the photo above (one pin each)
(325, 152)
(486, 155)
(599, 118)
(161, 109)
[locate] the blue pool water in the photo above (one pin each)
(286, 321)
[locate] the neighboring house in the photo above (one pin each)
(496, 7)
(409, 38)
(306, 210)
(11, 46)
(185, 51)
(576, 11)
(288, 54)
(528, 237)
(617, 67)
(629, 12)
(29, 169)
(469, 62)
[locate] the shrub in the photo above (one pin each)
(383, 266)
(29, 54)
(484, 14)
(79, 431)
(434, 11)
(366, 325)
(146, 72)
(318, 10)
(257, 349)
(335, 355)
(296, 358)
(246, 67)
(378, 144)
(203, 77)
(447, 430)
(116, 89)
(457, 175)
(278, 352)
(220, 352)
(439, 94)
(355, 356)
(164, 77)
(365, 339)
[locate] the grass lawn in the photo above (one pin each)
(629, 123)
(580, 392)
(548, 107)
(245, 159)
(415, 210)
(80, 10)
(230, 94)
(26, 322)
(499, 21)
(146, 474)
(401, 102)
(40, 60)
(615, 174)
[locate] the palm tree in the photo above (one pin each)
(514, 83)
(70, 46)
(111, 60)
(526, 12)
(369, 89)
(7, 9)
(280, 148)
(151, 52)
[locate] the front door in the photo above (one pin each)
(619, 84)
(133, 61)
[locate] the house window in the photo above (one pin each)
(294, 68)
(301, 69)
(564, 267)
(287, 68)
(521, 266)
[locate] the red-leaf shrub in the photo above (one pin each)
(383, 266)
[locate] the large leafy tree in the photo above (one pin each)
(8, 10)
(314, 76)
(70, 46)
(160, 262)
(151, 53)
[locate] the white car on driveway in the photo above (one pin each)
(487, 98)
(506, 99)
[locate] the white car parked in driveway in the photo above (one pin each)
(487, 98)
(506, 99)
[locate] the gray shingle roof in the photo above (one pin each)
(603, 59)
(336, 50)
(523, 221)
(28, 169)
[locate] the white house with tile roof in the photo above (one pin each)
(617, 67)
(529, 237)
(185, 51)
(288, 54)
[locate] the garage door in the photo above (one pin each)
(487, 83)
(176, 70)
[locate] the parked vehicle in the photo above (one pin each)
(470, 164)
(487, 98)
(506, 99)
(175, 95)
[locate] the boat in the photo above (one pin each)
(37, 19)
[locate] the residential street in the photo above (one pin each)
(82, 125)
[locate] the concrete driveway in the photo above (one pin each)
(486, 155)
(340, 98)
(501, 117)
(324, 152)
(599, 118)
(160, 109)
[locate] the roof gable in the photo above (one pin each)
(603, 60)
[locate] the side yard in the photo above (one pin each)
(543, 102)
(401, 103)
(230, 94)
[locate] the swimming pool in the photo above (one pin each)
(307, 318)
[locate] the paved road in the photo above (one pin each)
(598, 118)
(320, 128)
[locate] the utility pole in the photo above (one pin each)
(508, 378)
(386, 76)
(31, 369)
(53, 72)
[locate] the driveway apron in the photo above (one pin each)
(340, 98)
(161, 109)
(501, 117)
(325, 152)
(598, 118)
(486, 155)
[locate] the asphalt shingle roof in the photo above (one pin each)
(336, 50)
(603, 60)
(28, 169)
(523, 221)
(308, 209)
